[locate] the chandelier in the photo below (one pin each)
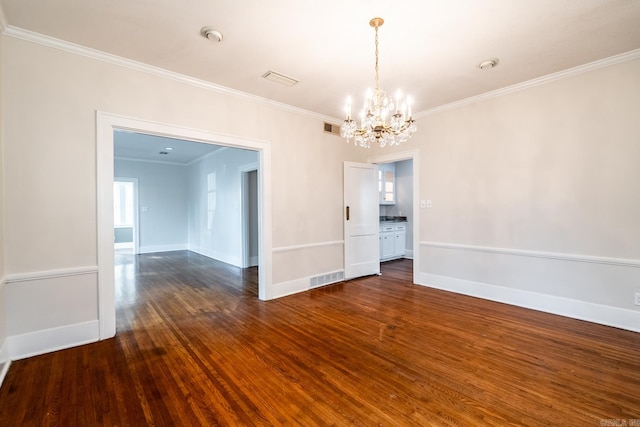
(384, 119)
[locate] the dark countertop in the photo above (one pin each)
(393, 219)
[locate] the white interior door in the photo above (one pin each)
(361, 220)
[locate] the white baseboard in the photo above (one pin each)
(125, 245)
(596, 313)
(54, 339)
(163, 248)
(4, 368)
(291, 287)
(235, 261)
(408, 253)
(5, 360)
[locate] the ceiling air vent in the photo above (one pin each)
(333, 129)
(274, 76)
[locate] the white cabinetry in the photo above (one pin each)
(387, 241)
(392, 240)
(387, 183)
(400, 240)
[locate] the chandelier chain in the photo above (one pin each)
(377, 67)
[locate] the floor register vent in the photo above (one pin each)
(332, 129)
(326, 279)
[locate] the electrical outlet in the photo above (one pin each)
(637, 299)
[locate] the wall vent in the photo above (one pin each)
(326, 279)
(331, 128)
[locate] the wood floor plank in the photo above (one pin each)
(196, 347)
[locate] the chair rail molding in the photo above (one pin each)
(626, 262)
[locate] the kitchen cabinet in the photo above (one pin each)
(387, 183)
(387, 241)
(400, 240)
(392, 240)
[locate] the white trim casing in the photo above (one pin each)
(34, 37)
(601, 63)
(244, 170)
(302, 284)
(6, 360)
(415, 156)
(564, 306)
(163, 248)
(106, 123)
(537, 254)
(31, 36)
(235, 261)
(48, 340)
(55, 329)
(582, 310)
(51, 274)
(294, 248)
(5, 355)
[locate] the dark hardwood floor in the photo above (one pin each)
(196, 347)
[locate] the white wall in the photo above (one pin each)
(535, 196)
(533, 184)
(163, 203)
(216, 230)
(50, 98)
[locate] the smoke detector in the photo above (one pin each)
(211, 33)
(488, 64)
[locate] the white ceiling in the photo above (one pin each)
(429, 48)
(137, 146)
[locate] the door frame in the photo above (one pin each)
(106, 124)
(244, 188)
(397, 157)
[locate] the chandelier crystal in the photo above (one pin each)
(384, 119)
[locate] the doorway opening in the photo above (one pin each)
(404, 205)
(250, 248)
(107, 124)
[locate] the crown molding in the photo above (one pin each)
(77, 49)
(164, 162)
(209, 154)
(160, 162)
(601, 63)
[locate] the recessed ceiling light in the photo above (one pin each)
(169, 148)
(211, 33)
(488, 64)
(277, 77)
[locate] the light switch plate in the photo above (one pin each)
(637, 299)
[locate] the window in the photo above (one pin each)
(123, 204)
(211, 199)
